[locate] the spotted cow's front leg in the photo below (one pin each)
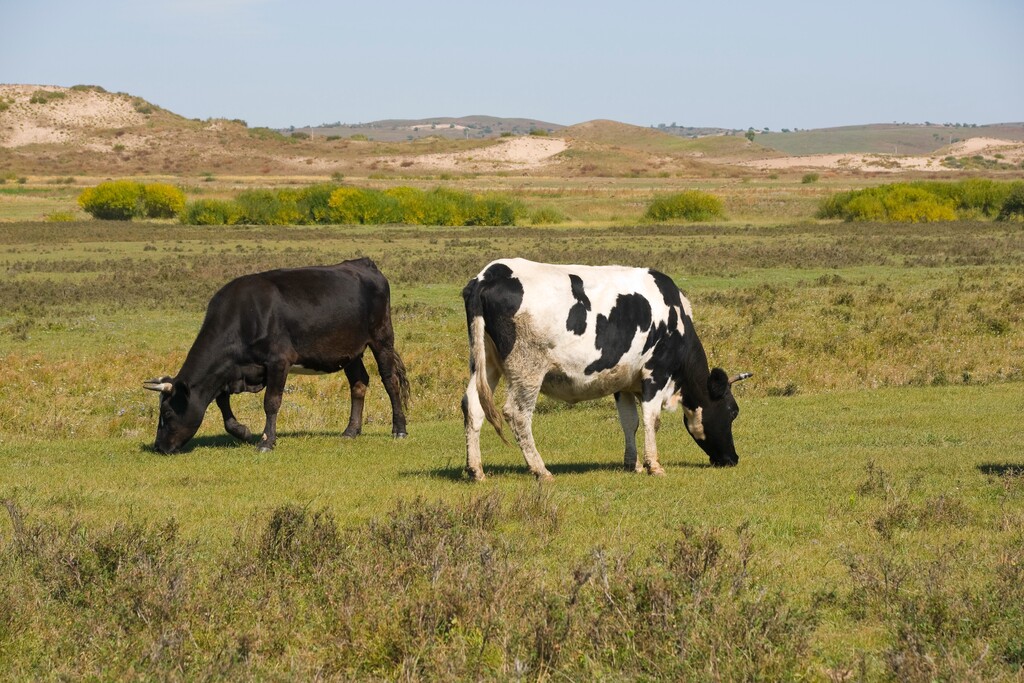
(277, 374)
(231, 425)
(652, 417)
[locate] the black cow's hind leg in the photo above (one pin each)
(392, 373)
(277, 374)
(231, 425)
(357, 380)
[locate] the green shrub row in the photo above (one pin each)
(691, 205)
(927, 201)
(329, 204)
(122, 200)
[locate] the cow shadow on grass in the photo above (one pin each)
(454, 472)
(227, 441)
(1002, 469)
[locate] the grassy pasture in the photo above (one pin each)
(871, 530)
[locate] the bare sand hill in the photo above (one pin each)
(518, 153)
(1010, 152)
(60, 120)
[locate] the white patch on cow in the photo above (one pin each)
(687, 307)
(694, 422)
(672, 402)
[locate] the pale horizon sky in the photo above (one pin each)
(783, 64)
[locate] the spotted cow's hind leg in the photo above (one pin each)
(519, 406)
(630, 421)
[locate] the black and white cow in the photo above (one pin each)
(261, 327)
(582, 332)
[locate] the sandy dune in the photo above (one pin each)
(519, 153)
(60, 120)
(1011, 152)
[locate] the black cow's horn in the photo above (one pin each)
(160, 385)
(740, 377)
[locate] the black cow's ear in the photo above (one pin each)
(180, 395)
(718, 384)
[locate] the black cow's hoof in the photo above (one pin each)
(400, 435)
(265, 449)
(350, 434)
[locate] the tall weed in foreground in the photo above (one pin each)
(430, 590)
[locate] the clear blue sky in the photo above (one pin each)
(782, 64)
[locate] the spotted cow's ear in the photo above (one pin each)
(718, 384)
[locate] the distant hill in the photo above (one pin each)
(901, 139)
(84, 130)
(454, 128)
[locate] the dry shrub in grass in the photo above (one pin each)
(428, 591)
(691, 205)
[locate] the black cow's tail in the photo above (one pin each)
(403, 381)
(478, 355)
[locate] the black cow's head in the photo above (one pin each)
(179, 415)
(710, 424)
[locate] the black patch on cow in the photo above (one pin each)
(496, 296)
(615, 333)
(668, 289)
(577, 320)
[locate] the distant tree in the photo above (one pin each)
(750, 134)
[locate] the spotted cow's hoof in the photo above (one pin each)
(656, 471)
(475, 475)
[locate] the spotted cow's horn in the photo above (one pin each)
(161, 385)
(740, 377)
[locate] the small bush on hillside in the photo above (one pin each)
(210, 212)
(161, 200)
(691, 205)
(117, 200)
(810, 178)
(46, 96)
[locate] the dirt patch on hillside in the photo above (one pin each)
(60, 120)
(519, 153)
(1005, 151)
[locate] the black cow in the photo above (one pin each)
(261, 327)
(581, 332)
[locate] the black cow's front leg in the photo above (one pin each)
(277, 374)
(358, 379)
(231, 425)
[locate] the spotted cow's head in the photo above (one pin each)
(710, 424)
(179, 415)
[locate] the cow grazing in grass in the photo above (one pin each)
(261, 327)
(581, 332)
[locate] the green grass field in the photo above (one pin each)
(872, 530)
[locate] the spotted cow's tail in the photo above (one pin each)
(478, 355)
